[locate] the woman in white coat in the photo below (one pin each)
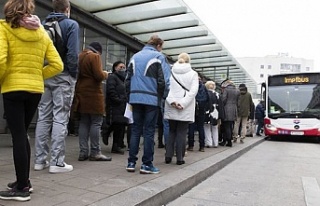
(180, 106)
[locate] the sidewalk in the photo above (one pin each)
(108, 183)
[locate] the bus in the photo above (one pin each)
(292, 103)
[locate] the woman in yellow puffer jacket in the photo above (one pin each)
(24, 46)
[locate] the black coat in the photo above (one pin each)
(116, 99)
(214, 98)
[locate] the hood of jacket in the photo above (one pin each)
(181, 68)
(54, 15)
(243, 90)
(22, 33)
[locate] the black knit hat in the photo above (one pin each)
(96, 46)
(242, 86)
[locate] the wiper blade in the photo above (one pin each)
(278, 115)
(303, 114)
(307, 114)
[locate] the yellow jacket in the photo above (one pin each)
(22, 54)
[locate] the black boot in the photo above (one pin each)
(117, 150)
(160, 145)
(229, 143)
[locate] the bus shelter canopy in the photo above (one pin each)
(178, 26)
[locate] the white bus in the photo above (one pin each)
(292, 105)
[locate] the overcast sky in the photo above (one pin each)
(256, 28)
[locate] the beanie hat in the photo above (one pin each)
(242, 86)
(96, 46)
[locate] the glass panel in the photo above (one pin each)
(190, 42)
(172, 22)
(176, 33)
(209, 64)
(91, 36)
(194, 49)
(216, 59)
(205, 55)
(141, 12)
(98, 5)
(115, 52)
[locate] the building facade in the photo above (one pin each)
(260, 67)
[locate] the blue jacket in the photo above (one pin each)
(260, 111)
(148, 77)
(70, 35)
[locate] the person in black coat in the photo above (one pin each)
(116, 100)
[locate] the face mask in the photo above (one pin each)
(122, 72)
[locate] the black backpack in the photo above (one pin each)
(54, 31)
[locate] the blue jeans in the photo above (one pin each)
(165, 130)
(144, 123)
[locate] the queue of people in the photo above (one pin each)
(72, 83)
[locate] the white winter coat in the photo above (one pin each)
(189, 79)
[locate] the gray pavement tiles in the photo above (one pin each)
(108, 183)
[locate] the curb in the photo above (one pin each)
(164, 189)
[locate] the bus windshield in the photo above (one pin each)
(291, 100)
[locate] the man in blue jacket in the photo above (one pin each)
(147, 84)
(55, 104)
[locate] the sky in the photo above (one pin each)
(257, 28)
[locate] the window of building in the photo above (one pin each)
(307, 69)
(261, 75)
(261, 66)
(290, 68)
(269, 67)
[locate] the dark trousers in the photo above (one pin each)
(260, 125)
(228, 130)
(118, 135)
(197, 125)
(20, 108)
(177, 139)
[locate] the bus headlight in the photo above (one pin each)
(270, 127)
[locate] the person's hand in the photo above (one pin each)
(176, 105)
(179, 106)
(107, 74)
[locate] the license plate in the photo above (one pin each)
(297, 133)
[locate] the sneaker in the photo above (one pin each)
(38, 167)
(100, 157)
(60, 169)
(131, 167)
(145, 169)
(15, 194)
(12, 185)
